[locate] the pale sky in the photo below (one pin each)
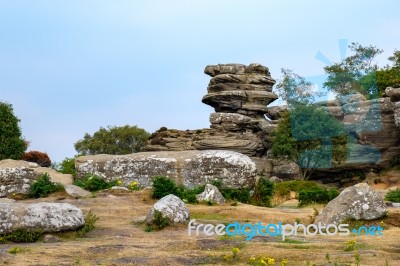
(70, 67)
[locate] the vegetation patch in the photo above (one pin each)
(42, 187)
(94, 183)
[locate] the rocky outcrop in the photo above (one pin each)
(45, 217)
(210, 194)
(76, 192)
(359, 202)
(394, 94)
(17, 176)
(172, 208)
(190, 168)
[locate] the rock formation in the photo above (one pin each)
(17, 176)
(356, 202)
(47, 217)
(190, 168)
(172, 208)
(211, 194)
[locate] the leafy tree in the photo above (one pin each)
(12, 145)
(307, 133)
(113, 140)
(355, 73)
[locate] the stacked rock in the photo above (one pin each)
(236, 88)
(394, 94)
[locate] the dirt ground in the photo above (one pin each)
(120, 239)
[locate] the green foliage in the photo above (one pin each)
(68, 166)
(393, 195)
(316, 195)
(189, 195)
(90, 224)
(389, 77)
(113, 140)
(283, 188)
(41, 158)
(307, 128)
(236, 194)
(159, 222)
(42, 187)
(21, 236)
(355, 73)
(163, 186)
(94, 183)
(14, 250)
(12, 145)
(263, 192)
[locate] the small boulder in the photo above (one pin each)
(211, 194)
(172, 208)
(118, 188)
(76, 192)
(48, 217)
(51, 239)
(275, 179)
(359, 202)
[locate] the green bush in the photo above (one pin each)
(12, 144)
(189, 195)
(316, 195)
(90, 224)
(393, 195)
(68, 166)
(42, 187)
(283, 188)
(94, 183)
(21, 236)
(163, 186)
(263, 192)
(240, 194)
(159, 222)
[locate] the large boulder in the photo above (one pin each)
(210, 194)
(17, 176)
(359, 202)
(47, 217)
(190, 168)
(172, 208)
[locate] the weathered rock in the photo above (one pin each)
(359, 202)
(17, 176)
(172, 208)
(211, 194)
(394, 94)
(76, 192)
(119, 188)
(275, 179)
(48, 217)
(190, 168)
(51, 239)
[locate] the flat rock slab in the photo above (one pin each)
(47, 217)
(190, 168)
(76, 192)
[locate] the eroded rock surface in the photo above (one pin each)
(210, 194)
(172, 208)
(17, 176)
(359, 202)
(48, 217)
(190, 168)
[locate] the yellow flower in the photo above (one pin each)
(271, 261)
(284, 262)
(235, 250)
(119, 182)
(262, 262)
(252, 260)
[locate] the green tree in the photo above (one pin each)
(355, 73)
(113, 140)
(12, 145)
(307, 134)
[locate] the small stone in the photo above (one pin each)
(172, 208)
(76, 192)
(51, 239)
(211, 194)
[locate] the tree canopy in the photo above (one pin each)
(113, 140)
(12, 145)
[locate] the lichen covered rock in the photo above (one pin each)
(172, 208)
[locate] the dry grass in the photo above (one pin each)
(119, 241)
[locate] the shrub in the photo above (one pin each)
(159, 222)
(68, 166)
(263, 192)
(94, 183)
(42, 187)
(38, 157)
(393, 195)
(240, 194)
(189, 195)
(163, 186)
(22, 236)
(316, 195)
(90, 224)
(283, 188)
(12, 145)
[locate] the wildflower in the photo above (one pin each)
(262, 262)
(235, 250)
(271, 261)
(284, 262)
(252, 260)
(119, 182)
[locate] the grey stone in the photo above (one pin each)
(190, 168)
(359, 202)
(76, 192)
(210, 194)
(172, 208)
(275, 179)
(51, 239)
(48, 217)
(119, 188)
